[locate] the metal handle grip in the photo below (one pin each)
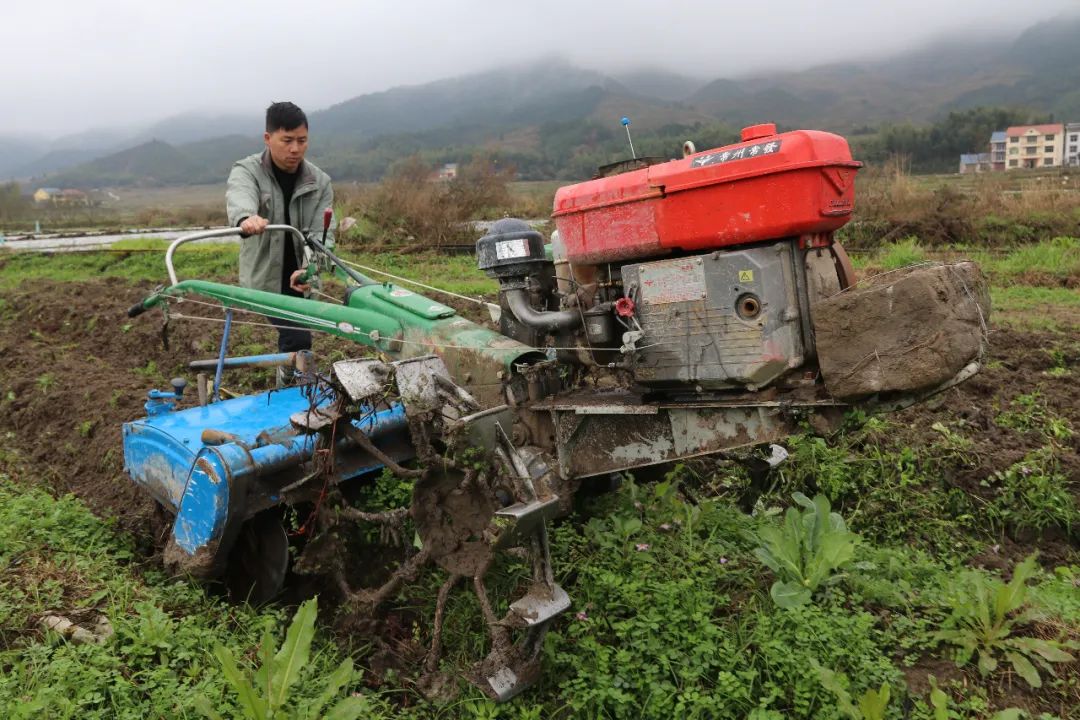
(208, 234)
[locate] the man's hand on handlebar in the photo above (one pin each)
(253, 225)
(294, 281)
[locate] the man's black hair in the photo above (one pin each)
(284, 116)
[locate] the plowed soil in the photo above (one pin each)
(1020, 363)
(75, 368)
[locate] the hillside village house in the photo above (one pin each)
(975, 163)
(1072, 144)
(446, 173)
(1034, 146)
(998, 141)
(44, 195)
(1023, 147)
(73, 197)
(57, 196)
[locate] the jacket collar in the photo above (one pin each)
(307, 177)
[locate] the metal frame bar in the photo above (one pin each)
(221, 354)
(219, 233)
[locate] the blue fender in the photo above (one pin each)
(213, 488)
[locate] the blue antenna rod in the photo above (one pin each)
(626, 124)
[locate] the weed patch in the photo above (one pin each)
(985, 615)
(57, 557)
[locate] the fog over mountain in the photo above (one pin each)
(515, 104)
(130, 63)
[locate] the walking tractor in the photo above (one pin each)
(681, 308)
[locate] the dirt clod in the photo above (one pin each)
(902, 332)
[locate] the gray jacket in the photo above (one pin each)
(252, 190)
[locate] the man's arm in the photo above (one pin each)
(315, 229)
(242, 201)
(326, 200)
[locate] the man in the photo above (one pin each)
(278, 187)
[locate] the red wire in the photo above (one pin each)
(303, 529)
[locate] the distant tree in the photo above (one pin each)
(481, 184)
(13, 205)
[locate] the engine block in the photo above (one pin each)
(719, 320)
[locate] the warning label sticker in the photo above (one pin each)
(672, 281)
(746, 276)
(510, 249)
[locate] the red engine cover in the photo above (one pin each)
(768, 186)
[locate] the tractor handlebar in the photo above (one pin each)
(209, 234)
(141, 307)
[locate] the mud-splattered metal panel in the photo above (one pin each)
(590, 443)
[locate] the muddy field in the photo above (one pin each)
(76, 368)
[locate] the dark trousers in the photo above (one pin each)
(291, 336)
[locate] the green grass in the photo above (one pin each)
(906, 252)
(1026, 298)
(136, 263)
(456, 273)
(1035, 308)
(671, 618)
(139, 263)
(56, 557)
(1058, 258)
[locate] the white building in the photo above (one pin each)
(1072, 144)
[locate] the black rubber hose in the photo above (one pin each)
(546, 320)
(136, 309)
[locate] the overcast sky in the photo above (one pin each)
(76, 64)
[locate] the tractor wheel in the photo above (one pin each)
(259, 560)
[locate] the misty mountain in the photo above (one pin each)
(497, 109)
(1038, 71)
(516, 95)
(157, 163)
(193, 127)
(53, 161)
(660, 84)
(18, 151)
(539, 114)
(32, 158)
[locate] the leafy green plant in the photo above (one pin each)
(45, 381)
(266, 695)
(806, 550)
(148, 371)
(1029, 412)
(872, 703)
(985, 614)
(1034, 494)
(939, 700)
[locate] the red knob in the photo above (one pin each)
(758, 131)
(328, 213)
(624, 307)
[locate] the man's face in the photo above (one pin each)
(287, 147)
